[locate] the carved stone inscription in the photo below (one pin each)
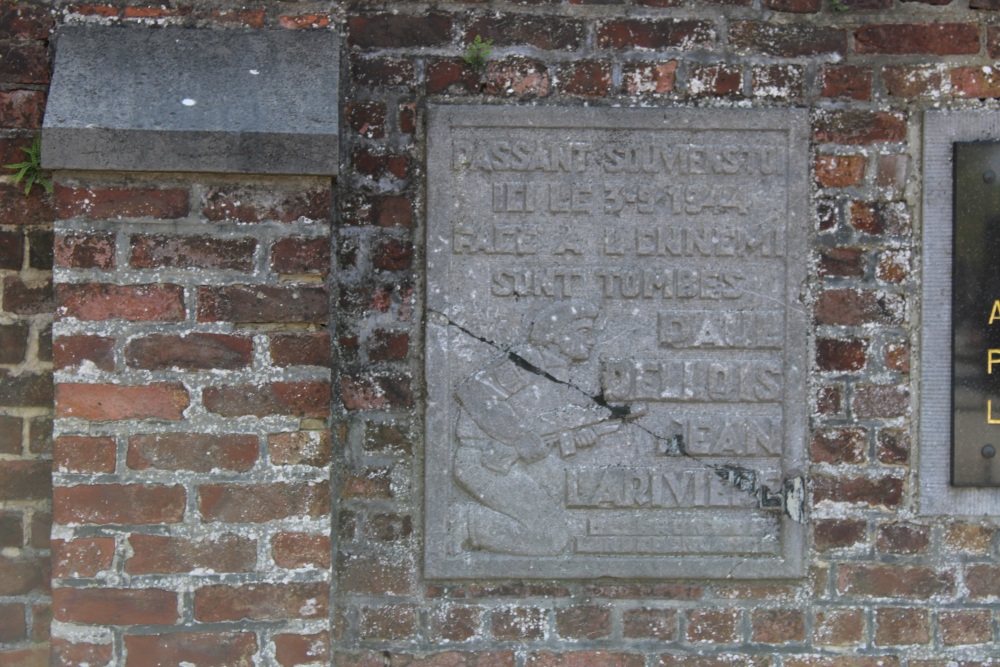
(616, 342)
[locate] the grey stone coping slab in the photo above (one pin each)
(616, 345)
(177, 99)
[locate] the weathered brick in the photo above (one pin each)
(112, 606)
(715, 80)
(191, 351)
(913, 81)
(860, 127)
(296, 550)
(25, 21)
(649, 78)
(301, 255)
(843, 661)
(118, 504)
(778, 626)
(13, 342)
(388, 345)
(842, 262)
(969, 538)
(155, 251)
(940, 39)
(41, 249)
(311, 448)
(388, 527)
(649, 623)
(840, 171)
(583, 659)
(842, 445)
(82, 557)
(897, 626)
(257, 503)
(13, 626)
(11, 250)
(252, 204)
(112, 402)
(27, 298)
(514, 623)
(548, 33)
(835, 355)
(777, 82)
(73, 351)
(199, 452)
(453, 75)
(22, 109)
(261, 602)
(902, 538)
(109, 203)
(374, 575)
(291, 649)
(387, 439)
(399, 30)
(983, 581)
(136, 303)
(41, 530)
(893, 446)
(367, 118)
(23, 61)
(300, 399)
(370, 483)
(454, 623)
(881, 218)
(584, 622)
(877, 492)
(851, 307)
(839, 627)
(376, 392)
(387, 622)
(876, 401)
(205, 649)
(965, 627)
(381, 71)
(584, 78)
(654, 34)
(27, 390)
(84, 454)
(25, 479)
(11, 529)
(300, 349)
(846, 82)
(262, 303)
(20, 576)
(160, 554)
(791, 40)
(889, 581)
(712, 625)
(304, 21)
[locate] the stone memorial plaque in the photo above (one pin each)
(616, 342)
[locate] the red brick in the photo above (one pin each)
(654, 34)
(975, 82)
(366, 118)
(844, 445)
(778, 626)
(22, 109)
(299, 399)
(300, 255)
(548, 33)
(777, 82)
(374, 575)
(585, 78)
(454, 623)
(648, 623)
(584, 622)
(160, 554)
(198, 452)
(912, 81)
(787, 40)
(249, 18)
(844, 661)
(73, 351)
(388, 527)
(376, 392)
(399, 30)
(377, 162)
(207, 649)
(153, 14)
(717, 80)
(26, 390)
(387, 439)
(387, 622)
(381, 71)
(304, 21)
(940, 39)
(114, 203)
(842, 262)
(11, 250)
(840, 171)
(25, 480)
(11, 530)
(393, 255)
(41, 530)
(839, 627)
(191, 351)
(893, 446)
(371, 484)
(291, 650)
(901, 626)
(983, 581)
(192, 252)
(451, 75)
(850, 307)
(877, 492)
(76, 654)
(446, 659)
(82, 557)
(262, 303)
(893, 266)
(513, 623)
(16, 208)
(874, 401)
(23, 61)
(13, 627)
(84, 454)
(296, 550)
(312, 448)
(408, 118)
(261, 602)
(118, 504)
(112, 606)
(136, 303)
(834, 355)
(25, 21)
(881, 218)
(965, 627)
(13, 342)
(21, 577)
(712, 625)
(112, 402)
(649, 78)
(968, 538)
(300, 349)
(889, 581)
(27, 298)
(264, 204)
(257, 503)
(583, 659)
(388, 345)
(902, 538)
(860, 127)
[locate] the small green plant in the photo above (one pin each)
(30, 171)
(839, 6)
(477, 52)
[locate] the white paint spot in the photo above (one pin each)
(255, 72)
(188, 102)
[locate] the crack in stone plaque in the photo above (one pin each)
(616, 342)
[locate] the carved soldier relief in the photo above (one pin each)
(615, 342)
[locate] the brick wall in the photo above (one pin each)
(238, 460)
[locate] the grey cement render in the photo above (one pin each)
(616, 352)
(176, 99)
(942, 129)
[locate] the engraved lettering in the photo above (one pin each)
(698, 380)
